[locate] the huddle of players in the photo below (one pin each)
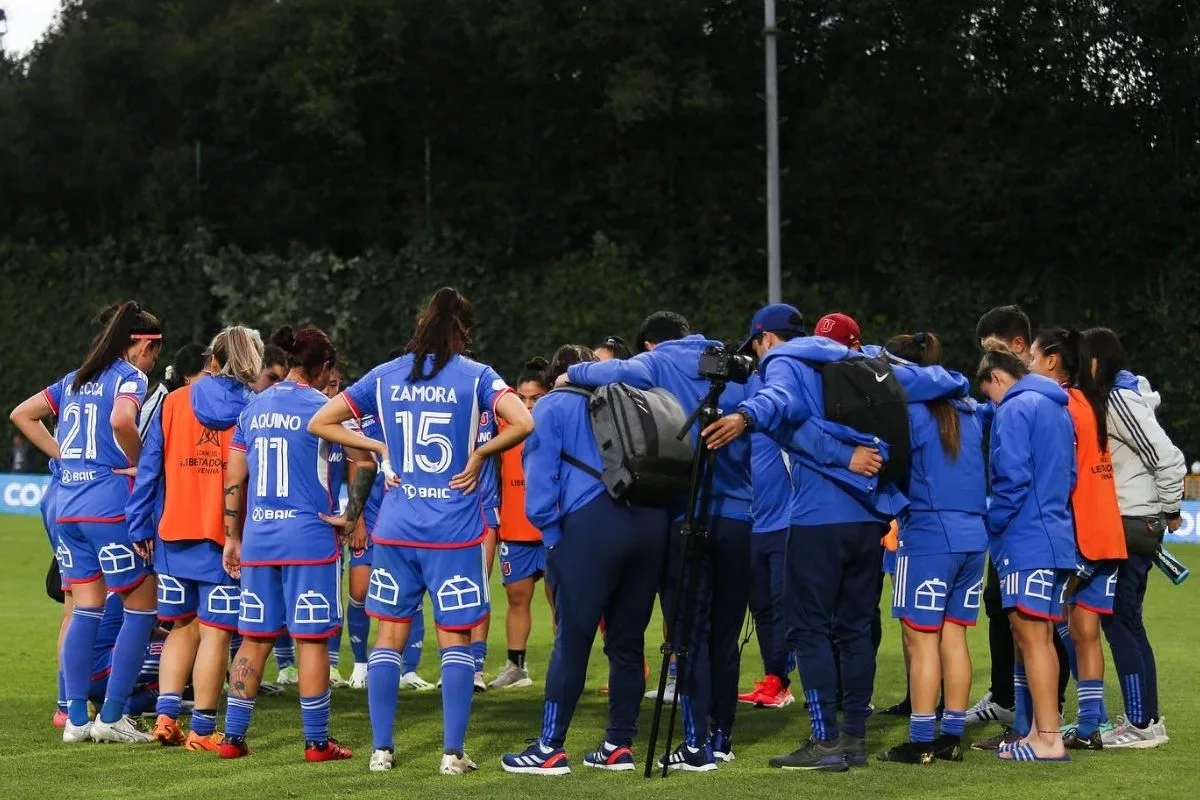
(253, 546)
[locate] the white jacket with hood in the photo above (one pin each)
(1148, 467)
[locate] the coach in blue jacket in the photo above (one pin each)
(833, 552)
(670, 359)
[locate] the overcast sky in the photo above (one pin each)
(27, 21)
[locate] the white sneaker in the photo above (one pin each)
(1160, 730)
(987, 711)
(381, 760)
(456, 765)
(411, 680)
(336, 681)
(288, 676)
(74, 734)
(358, 678)
(480, 683)
(668, 695)
(123, 731)
(1126, 736)
(512, 677)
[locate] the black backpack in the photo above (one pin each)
(864, 394)
(636, 431)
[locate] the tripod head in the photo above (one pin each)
(708, 412)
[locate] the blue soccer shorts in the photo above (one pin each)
(521, 560)
(363, 558)
(456, 579)
(1098, 592)
(303, 599)
(1037, 593)
(931, 590)
(90, 550)
(216, 604)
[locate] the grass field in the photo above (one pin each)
(36, 763)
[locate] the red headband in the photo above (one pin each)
(147, 336)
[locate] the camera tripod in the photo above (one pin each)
(694, 531)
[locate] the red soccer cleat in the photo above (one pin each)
(60, 719)
(752, 697)
(331, 751)
(774, 694)
(234, 748)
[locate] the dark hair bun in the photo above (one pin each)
(536, 364)
(285, 339)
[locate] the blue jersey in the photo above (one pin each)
(489, 476)
(289, 482)
(90, 491)
(430, 429)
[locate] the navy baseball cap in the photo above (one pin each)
(777, 318)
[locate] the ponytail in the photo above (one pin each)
(189, 360)
(1073, 348)
(443, 331)
(925, 349)
(239, 352)
(308, 349)
(535, 372)
(124, 325)
(997, 356)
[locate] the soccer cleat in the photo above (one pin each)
(610, 757)
(901, 709)
(269, 690)
(512, 677)
(336, 681)
(774, 694)
(204, 744)
(74, 734)
(1128, 736)
(948, 748)
(326, 751)
(987, 711)
(1073, 741)
(411, 680)
(381, 760)
(358, 677)
(1160, 730)
(480, 683)
(167, 732)
(854, 750)
(537, 760)
(910, 753)
(1006, 737)
(123, 731)
(233, 748)
(750, 697)
(668, 694)
(813, 756)
(288, 676)
(722, 747)
(456, 764)
(691, 759)
(59, 719)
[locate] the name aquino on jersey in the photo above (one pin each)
(276, 420)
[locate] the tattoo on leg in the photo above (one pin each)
(241, 672)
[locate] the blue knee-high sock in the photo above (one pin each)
(953, 722)
(238, 712)
(1091, 702)
(921, 727)
(314, 717)
(169, 704)
(415, 645)
(62, 692)
(285, 652)
(383, 688)
(335, 648)
(360, 630)
(203, 722)
(77, 658)
(458, 690)
(479, 654)
(1064, 635)
(1023, 715)
(128, 655)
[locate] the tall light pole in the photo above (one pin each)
(774, 280)
(3, 27)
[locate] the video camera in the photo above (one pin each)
(719, 364)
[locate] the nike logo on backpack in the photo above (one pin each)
(881, 378)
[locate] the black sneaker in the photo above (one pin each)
(854, 750)
(1006, 736)
(1073, 741)
(815, 756)
(901, 709)
(948, 748)
(910, 753)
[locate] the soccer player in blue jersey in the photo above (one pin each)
(430, 531)
(489, 490)
(97, 444)
(285, 551)
(338, 474)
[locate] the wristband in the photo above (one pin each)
(385, 466)
(749, 420)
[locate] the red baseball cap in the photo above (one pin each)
(839, 327)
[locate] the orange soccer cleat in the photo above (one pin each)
(210, 743)
(167, 732)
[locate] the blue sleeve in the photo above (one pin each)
(133, 387)
(361, 396)
(239, 438)
(53, 394)
(141, 509)
(822, 446)
(638, 372)
(489, 489)
(542, 460)
(1011, 468)
(781, 401)
(491, 388)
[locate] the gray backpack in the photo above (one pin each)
(636, 431)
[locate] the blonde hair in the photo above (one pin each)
(239, 352)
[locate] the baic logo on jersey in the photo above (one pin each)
(261, 514)
(425, 492)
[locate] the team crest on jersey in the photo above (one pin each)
(485, 419)
(209, 436)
